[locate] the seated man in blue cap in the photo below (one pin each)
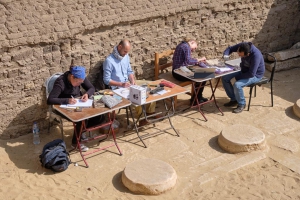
(66, 87)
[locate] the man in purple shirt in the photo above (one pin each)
(182, 57)
(252, 70)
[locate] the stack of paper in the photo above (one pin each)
(123, 92)
(223, 69)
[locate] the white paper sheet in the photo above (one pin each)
(224, 69)
(123, 92)
(79, 103)
(162, 92)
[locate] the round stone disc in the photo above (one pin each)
(149, 176)
(241, 138)
(296, 108)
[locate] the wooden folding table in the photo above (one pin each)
(201, 81)
(167, 113)
(88, 113)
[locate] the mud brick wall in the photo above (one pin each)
(39, 38)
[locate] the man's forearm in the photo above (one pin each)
(131, 79)
(115, 83)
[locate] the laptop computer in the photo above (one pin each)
(204, 73)
(204, 70)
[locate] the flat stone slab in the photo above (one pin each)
(296, 108)
(241, 138)
(284, 55)
(283, 65)
(149, 176)
(286, 143)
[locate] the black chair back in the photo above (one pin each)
(264, 80)
(274, 67)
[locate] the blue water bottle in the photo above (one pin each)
(36, 133)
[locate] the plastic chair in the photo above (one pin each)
(264, 80)
(49, 86)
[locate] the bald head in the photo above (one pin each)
(124, 47)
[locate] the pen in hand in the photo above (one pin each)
(73, 100)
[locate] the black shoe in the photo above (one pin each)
(195, 102)
(239, 109)
(231, 104)
(203, 99)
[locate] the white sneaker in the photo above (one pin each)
(82, 146)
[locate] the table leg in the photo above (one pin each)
(168, 115)
(127, 116)
(111, 129)
(197, 90)
(213, 90)
(111, 117)
(135, 127)
(78, 136)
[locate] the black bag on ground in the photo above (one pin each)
(55, 156)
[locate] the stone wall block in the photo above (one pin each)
(14, 36)
(47, 58)
(56, 57)
(61, 28)
(13, 73)
(22, 55)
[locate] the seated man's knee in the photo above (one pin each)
(238, 85)
(226, 79)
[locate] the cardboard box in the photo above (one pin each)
(137, 94)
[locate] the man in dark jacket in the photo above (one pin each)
(252, 70)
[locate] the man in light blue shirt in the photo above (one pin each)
(117, 70)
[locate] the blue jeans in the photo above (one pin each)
(235, 92)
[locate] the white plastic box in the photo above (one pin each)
(137, 94)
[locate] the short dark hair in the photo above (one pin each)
(124, 42)
(244, 47)
(121, 43)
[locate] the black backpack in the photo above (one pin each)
(55, 156)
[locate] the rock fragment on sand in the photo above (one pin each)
(296, 108)
(241, 138)
(149, 176)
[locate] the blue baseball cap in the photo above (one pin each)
(78, 72)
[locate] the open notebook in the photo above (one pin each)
(234, 62)
(79, 103)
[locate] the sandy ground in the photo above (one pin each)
(204, 170)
